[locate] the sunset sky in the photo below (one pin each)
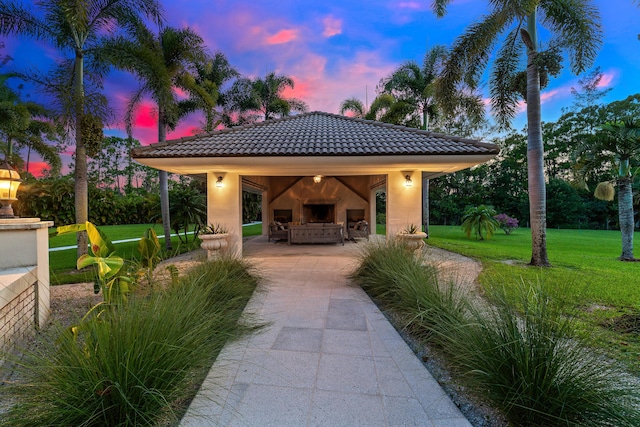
(340, 49)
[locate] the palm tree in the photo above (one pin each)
(384, 108)
(78, 27)
(26, 124)
(161, 62)
(479, 218)
(574, 26)
(615, 148)
(415, 85)
(211, 76)
(355, 106)
(265, 97)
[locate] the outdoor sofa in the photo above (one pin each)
(316, 233)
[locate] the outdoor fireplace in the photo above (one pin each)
(319, 213)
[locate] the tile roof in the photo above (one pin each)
(315, 134)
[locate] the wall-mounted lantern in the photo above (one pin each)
(407, 181)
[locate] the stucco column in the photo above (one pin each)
(266, 219)
(404, 204)
(224, 206)
(372, 210)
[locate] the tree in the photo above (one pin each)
(478, 219)
(188, 207)
(211, 76)
(617, 148)
(575, 28)
(77, 27)
(28, 125)
(161, 62)
(384, 108)
(414, 86)
(263, 97)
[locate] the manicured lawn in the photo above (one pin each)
(585, 271)
(62, 263)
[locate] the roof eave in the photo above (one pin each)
(323, 165)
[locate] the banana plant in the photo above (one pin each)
(149, 247)
(115, 287)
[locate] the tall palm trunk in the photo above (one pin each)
(535, 154)
(625, 214)
(81, 186)
(164, 186)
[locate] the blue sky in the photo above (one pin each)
(335, 50)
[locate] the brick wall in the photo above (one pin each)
(18, 318)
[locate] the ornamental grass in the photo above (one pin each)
(525, 357)
(139, 364)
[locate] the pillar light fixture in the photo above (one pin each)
(407, 181)
(219, 183)
(9, 183)
(317, 179)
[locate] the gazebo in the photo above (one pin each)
(316, 167)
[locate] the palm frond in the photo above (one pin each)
(503, 97)
(354, 105)
(16, 19)
(577, 25)
(440, 7)
(468, 58)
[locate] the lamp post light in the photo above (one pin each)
(9, 183)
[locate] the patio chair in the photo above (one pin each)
(278, 231)
(359, 230)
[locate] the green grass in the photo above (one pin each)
(62, 264)
(585, 271)
(584, 262)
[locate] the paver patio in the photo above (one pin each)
(328, 356)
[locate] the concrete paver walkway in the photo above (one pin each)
(328, 357)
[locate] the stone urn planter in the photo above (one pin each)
(213, 243)
(214, 240)
(412, 239)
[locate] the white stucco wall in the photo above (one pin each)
(404, 204)
(224, 206)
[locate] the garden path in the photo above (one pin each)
(327, 357)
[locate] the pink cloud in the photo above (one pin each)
(414, 5)
(282, 36)
(324, 90)
(606, 79)
(38, 169)
(146, 116)
(332, 26)
(550, 95)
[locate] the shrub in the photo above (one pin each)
(523, 356)
(506, 223)
(478, 219)
(137, 365)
